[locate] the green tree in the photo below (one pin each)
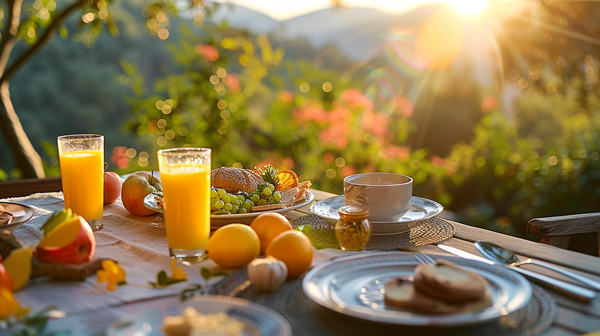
(34, 24)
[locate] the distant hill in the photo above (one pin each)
(358, 32)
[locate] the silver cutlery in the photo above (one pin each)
(503, 256)
(574, 291)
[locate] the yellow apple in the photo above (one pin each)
(71, 242)
(135, 188)
(18, 265)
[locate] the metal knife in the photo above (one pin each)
(566, 288)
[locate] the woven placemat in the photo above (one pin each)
(308, 318)
(429, 231)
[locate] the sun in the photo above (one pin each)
(470, 6)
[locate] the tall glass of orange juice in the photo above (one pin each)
(82, 170)
(185, 174)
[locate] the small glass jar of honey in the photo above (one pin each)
(353, 230)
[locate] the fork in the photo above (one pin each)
(424, 259)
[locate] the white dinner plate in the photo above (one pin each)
(258, 320)
(14, 215)
(217, 221)
(353, 286)
(420, 209)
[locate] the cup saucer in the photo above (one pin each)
(420, 209)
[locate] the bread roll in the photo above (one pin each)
(235, 180)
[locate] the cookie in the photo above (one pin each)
(428, 305)
(447, 282)
(398, 292)
(267, 207)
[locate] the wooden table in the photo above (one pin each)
(573, 318)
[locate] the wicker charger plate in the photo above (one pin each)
(429, 231)
(309, 318)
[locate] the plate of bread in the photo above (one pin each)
(12, 215)
(395, 288)
(239, 195)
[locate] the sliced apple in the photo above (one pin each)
(5, 278)
(70, 243)
(18, 265)
(62, 235)
(57, 218)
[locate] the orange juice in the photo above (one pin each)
(82, 175)
(186, 190)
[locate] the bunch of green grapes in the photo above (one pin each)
(227, 203)
(265, 194)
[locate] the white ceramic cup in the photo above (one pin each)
(386, 195)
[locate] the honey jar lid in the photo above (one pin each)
(353, 213)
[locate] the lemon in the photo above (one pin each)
(233, 246)
(294, 249)
(268, 226)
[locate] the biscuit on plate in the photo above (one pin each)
(398, 292)
(428, 305)
(447, 282)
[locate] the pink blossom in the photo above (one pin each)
(356, 98)
(404, 106)
(232, 81)
(437, 161)
(207, 51)
(396, 152)
(348, 170)
(285, 97)
(336, 134)
(310, 112)
(376, 123)
(489, 103)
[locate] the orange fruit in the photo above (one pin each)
(294, 249)
(233, 246)
(268, 226)
(287, 180)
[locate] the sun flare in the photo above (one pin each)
(470, 6)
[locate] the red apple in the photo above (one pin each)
(137, 186)
(112, 187)
(72, 242)
(5, 278)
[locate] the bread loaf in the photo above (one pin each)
(235, 180)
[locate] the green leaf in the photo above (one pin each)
(191, 291)
(171, 281)
(220, 274)
(205, 272)
(162, 278)
(303, 228)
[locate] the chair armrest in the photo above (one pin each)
(565, 225)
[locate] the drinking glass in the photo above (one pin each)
(82, 170)
(185, 174)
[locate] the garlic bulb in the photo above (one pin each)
(267, 274)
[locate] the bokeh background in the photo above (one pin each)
(492, 106)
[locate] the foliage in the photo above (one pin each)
(294, 114)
